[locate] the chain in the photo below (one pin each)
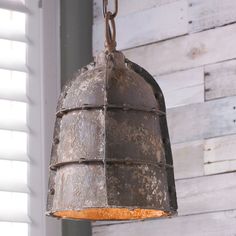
(110, 26)
(105, 8)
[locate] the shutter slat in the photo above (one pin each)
(14, 156)
(13, 207)
(13, 176)
(13, 66)
(13, 187)
(13, 36)
(14, 126)
(14, 217)
(13, 97)
(12, 26)
(14, 229)
(13, 116)
(13, 5)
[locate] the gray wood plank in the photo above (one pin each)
(220, 155)
(220, 167)
(182, 88)
(206, 14)
(211, 224)
(128, 7)
(206, 194)
(220, 149)
(146, 26)
(188, 159)
(202, 121)
(186, 52)
(220, 80)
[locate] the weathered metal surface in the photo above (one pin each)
(134, 136)
(111, 146)
(80, 186)
(139, 186)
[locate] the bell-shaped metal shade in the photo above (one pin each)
(111, 157)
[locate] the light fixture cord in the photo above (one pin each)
(110, 26)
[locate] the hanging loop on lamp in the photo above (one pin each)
(105, 8)
(110, 32)
(110, 27)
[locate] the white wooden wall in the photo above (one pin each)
(189, 46)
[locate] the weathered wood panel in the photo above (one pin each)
(202, 121)
(206, 14)
(220, 79)
(220, 167)
(128, 7)
(211, 224)
(220, 149)
(147, 26)
(182, 88)
(220, 155)
(187, 52)
(188, 159)
(206, 194)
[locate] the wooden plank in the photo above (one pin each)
(220, 80)
(186, 52)
(206, 194)
(220, 167)
(211, 224)
(211, 13)
(220, 149)
(182, 88)
(128, 7)
(202, 121)
(188, 159)
(150, 21)
(220, 155)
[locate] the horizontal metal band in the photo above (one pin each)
(110, 107)
(109, 161)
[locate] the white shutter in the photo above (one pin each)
(14, 131)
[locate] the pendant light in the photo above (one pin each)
(111, 156)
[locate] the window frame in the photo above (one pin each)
(43, 61)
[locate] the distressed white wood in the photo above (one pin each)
(211, 224)
(182, 88)
(206, 14)
(220, 149)
(199, 121)
(219, 167)
(220, 79)
(206, 194)
(187, 52)
(147, 26)
(127, 7)
(188, 159)
(220, 155)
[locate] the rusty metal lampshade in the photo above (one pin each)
(111, 157)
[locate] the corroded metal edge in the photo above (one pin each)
(164, 130)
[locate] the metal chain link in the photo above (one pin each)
(110, 27)
(105, 8)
